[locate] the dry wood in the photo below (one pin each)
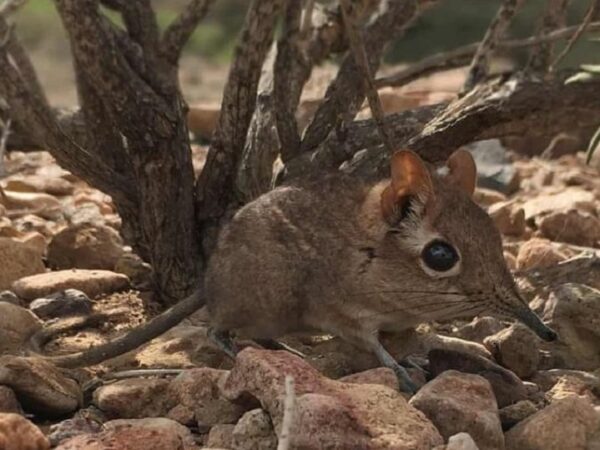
(554, 17)
(180, 30)
(361, 59)
(478, 69)
(215, 186)
(345, 94)
(461, 55)
(589, 16)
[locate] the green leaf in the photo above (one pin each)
(592, 68)
(594, 142)
(580, 78)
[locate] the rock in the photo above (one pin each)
(36, 183)
(564, 199)
(199, 391)
(538, 253)
(17, 260)
(10, 297)
(18, 433)
(134, 438)
(17, 324)
(139, 272)
(78, 425)
(565, 424)
(571, 226)
(41, 204)
(359, 415)
(220, 436)
(433, 341)
(573, 311)
(35, 241)
(254, 431)
(31, 222)
(513, 414)
(202, 119)
(85, 246)
(571, 386)
(457, 402)
(494, 169)
(381, 375)
(508, 388)
(461, 441)
(547, 379)
(516, 348)
(509, 219)
(92, 282)
(70, 302)
(182, 346)
(159, 424)
(480, 328)
(86, 213)
(40, 387)
(134, 398)
(9, 402)
(487, 197)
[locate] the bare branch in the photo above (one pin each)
(345, 94)
(180, 30)
(459, 56)
(493, 110)
(592, 11)
(479, 65)
(361, 60)
(215, 185)
(289, 406)
(298, 52)
(554, 17)
(3, 140)
(19, 56)
(255, 170)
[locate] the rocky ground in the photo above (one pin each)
(488, 384)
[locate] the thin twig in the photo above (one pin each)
(594, 6)
(554, 17)
(458, 56)
(480, 63)
(181, 29)
(357, 47)
(289, 404)
(3, 140)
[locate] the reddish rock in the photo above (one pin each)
(136, 438)
(508, 388)
(571, 226)
(355, 415)
(565, 424)
(199, 391)
(9, 402)
(516, 348)
(509, 218)
(457, 402)
(18, 433)
(85, 246)
(135, 398)
(17, 260)
(254, 431)
(381, 375)
(537, 253)
(92, 282)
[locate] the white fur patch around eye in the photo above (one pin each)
(415, 234)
